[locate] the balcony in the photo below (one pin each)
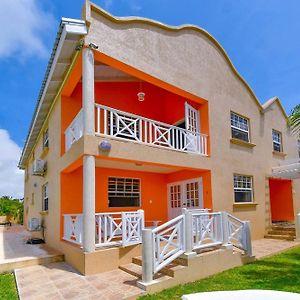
(117, 124)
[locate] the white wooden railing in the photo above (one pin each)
(123, 125)
(73, 228)
(189, 232)
(117, 228)
(75, 131)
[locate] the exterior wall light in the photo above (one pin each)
(105, 145)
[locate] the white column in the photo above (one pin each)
(88, 236)
(147, 256)
(88, 107)
(88, 98)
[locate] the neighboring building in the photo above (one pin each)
(134, 114)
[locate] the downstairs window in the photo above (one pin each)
(123, 192)
(243, 191)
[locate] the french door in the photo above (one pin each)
(192, 123)
(184, 194)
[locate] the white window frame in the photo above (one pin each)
(277, 141)
(45, 196)
(124, 192)
(243, 183)
(46, 139)
(238, 126)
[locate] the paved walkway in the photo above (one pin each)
(13, 247)
(61, 281)
(266, 247)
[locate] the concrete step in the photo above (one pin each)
(282, 232)
(279, 237)
(24, 262)
(284, 228)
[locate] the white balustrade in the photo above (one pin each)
(207, 229)
(75, 131)
(168, 242)
(119, 228)
(73, 228)
(116, 228)
(122, 125)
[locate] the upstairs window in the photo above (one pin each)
(45, 192)
(46, 139)
(239, 127)
(242, 188)
(277, 140)
(123, 192)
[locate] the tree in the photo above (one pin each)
(12, 208)
(294, 120)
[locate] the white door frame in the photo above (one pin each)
(183, 184)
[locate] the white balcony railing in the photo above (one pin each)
(74, 131)
(122, 125)
(117, 228)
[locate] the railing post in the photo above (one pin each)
(225, 229)
(147, 256)
(298, 227)
(247, 238)
(188, 233)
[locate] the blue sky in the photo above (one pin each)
(260, 36)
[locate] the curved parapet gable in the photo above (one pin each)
(120, 37)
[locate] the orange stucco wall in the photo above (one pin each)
(281, 198)
(153, 190)
(159, 104)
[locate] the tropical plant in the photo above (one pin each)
(12, 208)
(294, 120)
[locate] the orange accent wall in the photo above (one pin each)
(159, 104)
(281, 198)
(154, 199)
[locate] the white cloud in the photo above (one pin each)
(11, 178)
(132, 4)
(23, 25)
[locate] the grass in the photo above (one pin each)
(8, 290)
(279, 272)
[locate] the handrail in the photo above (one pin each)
(165, 225)
(147, 119)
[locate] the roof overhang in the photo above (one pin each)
(290, 170)
(67, 39)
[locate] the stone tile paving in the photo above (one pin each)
(13, 247)
(266, 247)
(61, 281)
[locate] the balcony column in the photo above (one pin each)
(88, 234)
(88, 97)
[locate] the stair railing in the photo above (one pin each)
(189, 232)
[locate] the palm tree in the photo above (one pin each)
(294, 120)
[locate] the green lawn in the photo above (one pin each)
(8, 289)
(279, 272)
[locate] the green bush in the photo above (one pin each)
(12, 208)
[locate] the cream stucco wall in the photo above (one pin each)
(191, 60)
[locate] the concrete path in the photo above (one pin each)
(15, 253)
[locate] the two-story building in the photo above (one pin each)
(137, 115)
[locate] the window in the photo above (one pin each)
(175, 194)
(46, 139)
(123, 192)
(45, 192)
(277, 140)
(242, 188)
(239, 127)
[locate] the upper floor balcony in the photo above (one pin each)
(117, 124)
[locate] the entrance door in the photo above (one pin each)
(281, 200)
(185, 194)
(192, 123)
